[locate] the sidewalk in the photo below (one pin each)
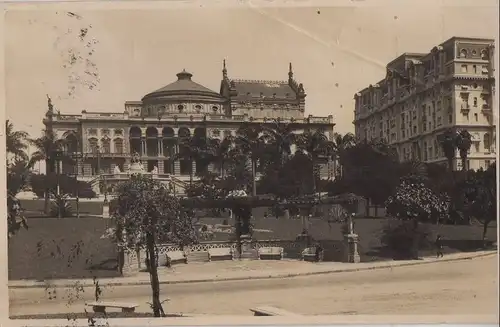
(242, 270)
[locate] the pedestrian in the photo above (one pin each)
(439, 247)
(317, 255)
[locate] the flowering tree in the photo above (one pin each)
(415, 202)
(480, 195)
(145, 212)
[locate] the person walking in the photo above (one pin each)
(439, 246)
(317, 255)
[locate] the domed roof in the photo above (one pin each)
(184, 86)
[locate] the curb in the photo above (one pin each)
(292, 275)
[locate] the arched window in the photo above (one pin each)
(93, 145)
(183, 132)
(118, 145)
(71, 143)
(135, 140)
(106, 145)
(463, 53)
(152, 141)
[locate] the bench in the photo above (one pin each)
(271, 311)
(273, 252)
(309, 254)
(220, 254)
(176, 257)
(101, 306)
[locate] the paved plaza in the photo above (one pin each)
(445, 287)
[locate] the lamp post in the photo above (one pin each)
(57, 156)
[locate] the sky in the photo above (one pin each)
(135, 49)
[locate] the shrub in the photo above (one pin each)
(398, 237)
(60, 206)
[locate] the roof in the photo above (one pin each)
(247, 89)
(183, 86)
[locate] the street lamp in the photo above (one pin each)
(58, 156)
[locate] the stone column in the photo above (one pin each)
(160, 147)
(126, 166)
(351, 248)
(130, 262)
(193, 167)
(177, 164)
(351, 243)
(161, 170)
(144, 147)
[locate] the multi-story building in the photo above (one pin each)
(153, 126)
(423, 94)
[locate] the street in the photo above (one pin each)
(459, 287)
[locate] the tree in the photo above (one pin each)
(49, 149)
(281, 136)
(221, 152)
(16, 141)
(463, 142)
(339, 145)
(481, 196)
(314, 145)
(250, 142)
(191, 149)
(414, 201)
(146, 213)
(370, 170)
(449, 146)
(17, 179)
(294, 179)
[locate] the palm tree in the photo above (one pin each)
(250, 142)
(192, 149)
(282, 136)
(47, 148)
(463, 142)
(16, 141)
(338, 146)
(221, 152)
(449, 146)
(313, 145)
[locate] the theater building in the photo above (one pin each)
(104, 142)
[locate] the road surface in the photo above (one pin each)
(459, 287)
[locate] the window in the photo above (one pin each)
(463, 69)
(475, 117)
(475, 102)
(463, 53)
(487, 163)
(487, 142)
(474, 69)
(106, 146)
(118, 145)
(93, 146)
